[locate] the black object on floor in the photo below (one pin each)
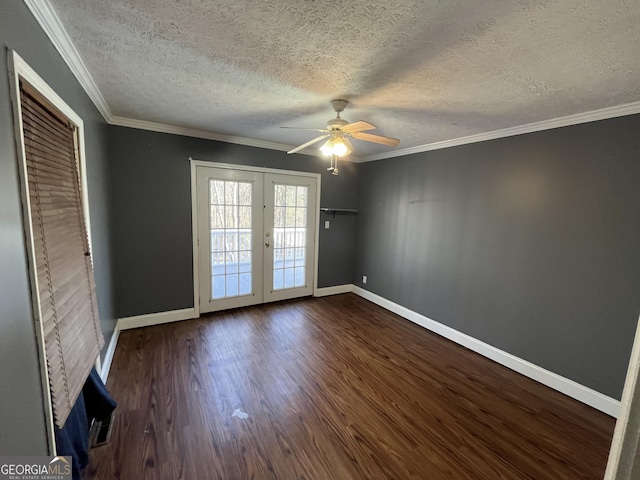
(101, 431)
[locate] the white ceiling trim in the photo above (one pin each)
(586, 117)
(603, 114)
(50, 23)
(204, 134)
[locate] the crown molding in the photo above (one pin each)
(50, 23)
(595, 115)
(569, 120)
(220, 137)
(204, 134)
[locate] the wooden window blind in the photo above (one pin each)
(64, 272)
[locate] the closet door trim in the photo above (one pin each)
(20, 70)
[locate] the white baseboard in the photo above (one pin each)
(563, 385)
(336, 290)
(108, 355)
(568, 387)
(150, 319)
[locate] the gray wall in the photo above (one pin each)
(22, 428)
(530, 244)
(151, 202)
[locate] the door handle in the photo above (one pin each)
(267, 244)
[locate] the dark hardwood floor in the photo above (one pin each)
(334, 388)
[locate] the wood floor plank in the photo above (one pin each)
(334, 388)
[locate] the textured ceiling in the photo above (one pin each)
(422, 71)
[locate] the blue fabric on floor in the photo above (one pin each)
(73, 438)
(97, 400)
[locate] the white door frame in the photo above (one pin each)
(624, 446)
(194, 217)
(19, 69)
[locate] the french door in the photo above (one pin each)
(256, 236)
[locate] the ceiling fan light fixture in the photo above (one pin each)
(339, 132)
(340, 148)
(335, 146)
(327, 148)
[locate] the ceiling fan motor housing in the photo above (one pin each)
(336, 123)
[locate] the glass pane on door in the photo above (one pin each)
(231, 238)
(289, 235)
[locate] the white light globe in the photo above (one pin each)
(340, 149)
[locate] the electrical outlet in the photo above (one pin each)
(364, 279)
(326, 224)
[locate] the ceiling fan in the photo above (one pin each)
(338, 132)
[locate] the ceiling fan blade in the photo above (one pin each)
(348, 143)
(367, 137)
(310, 142)
(313, 129)
(358, 126)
